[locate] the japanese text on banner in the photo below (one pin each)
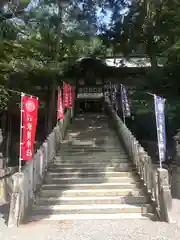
(125, 104)
(65, 95)
(160, 125)
(29, 122)
(69, 96)
(60, 110)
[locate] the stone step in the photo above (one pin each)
(88, 164)
(92, 161)
(79, 141)
(108, 148)
(83, 158)
(71, 217)
(96, 174)
(91, 186)
(92, 152)
(92, 200)
(92, 209)
(61, 169)
(91, 192)
(54, 179)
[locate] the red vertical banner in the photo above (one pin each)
(60, 109)
(29, 115)
(65, 95)
(69, 96)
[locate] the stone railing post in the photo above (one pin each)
(2, 181)
(16, 206)
(165, 198)
(27, 184)
(177, 148)
(175, 168)
(155, 180)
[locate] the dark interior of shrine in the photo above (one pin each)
(91, 106)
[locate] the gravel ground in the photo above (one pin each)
(124, 229)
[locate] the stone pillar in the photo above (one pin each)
(175, 181)
(175, 168)
(2, 186)
(2, 171)
(165, 198)
(177, 148)
(16, 210)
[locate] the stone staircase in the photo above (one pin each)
(91, 177)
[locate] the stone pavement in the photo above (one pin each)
(124, 229)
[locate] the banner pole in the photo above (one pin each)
(21, 127)
(124, 119)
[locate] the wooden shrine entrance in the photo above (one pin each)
(90, 97)
(93, 76)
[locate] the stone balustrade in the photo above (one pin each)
(27, 183)
(155, 180)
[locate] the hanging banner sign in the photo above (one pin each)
(125, 103)
(65, 95)
(159, 104)
(90, 92)
(69, 96)
(60, 109)
(29, 110)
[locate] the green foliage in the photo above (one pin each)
(44, 41)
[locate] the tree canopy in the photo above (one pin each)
(40, 39)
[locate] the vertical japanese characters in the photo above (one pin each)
(60, 110)
(65, 95)
(69, 96)
(29, 122)
(159, 104)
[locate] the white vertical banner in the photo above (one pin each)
(159, 104)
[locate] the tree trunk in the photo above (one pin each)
(52, 107)
(8, 136)
(152, 51)
(52, 110)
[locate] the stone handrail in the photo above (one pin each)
(27, 183)
(155, 180)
